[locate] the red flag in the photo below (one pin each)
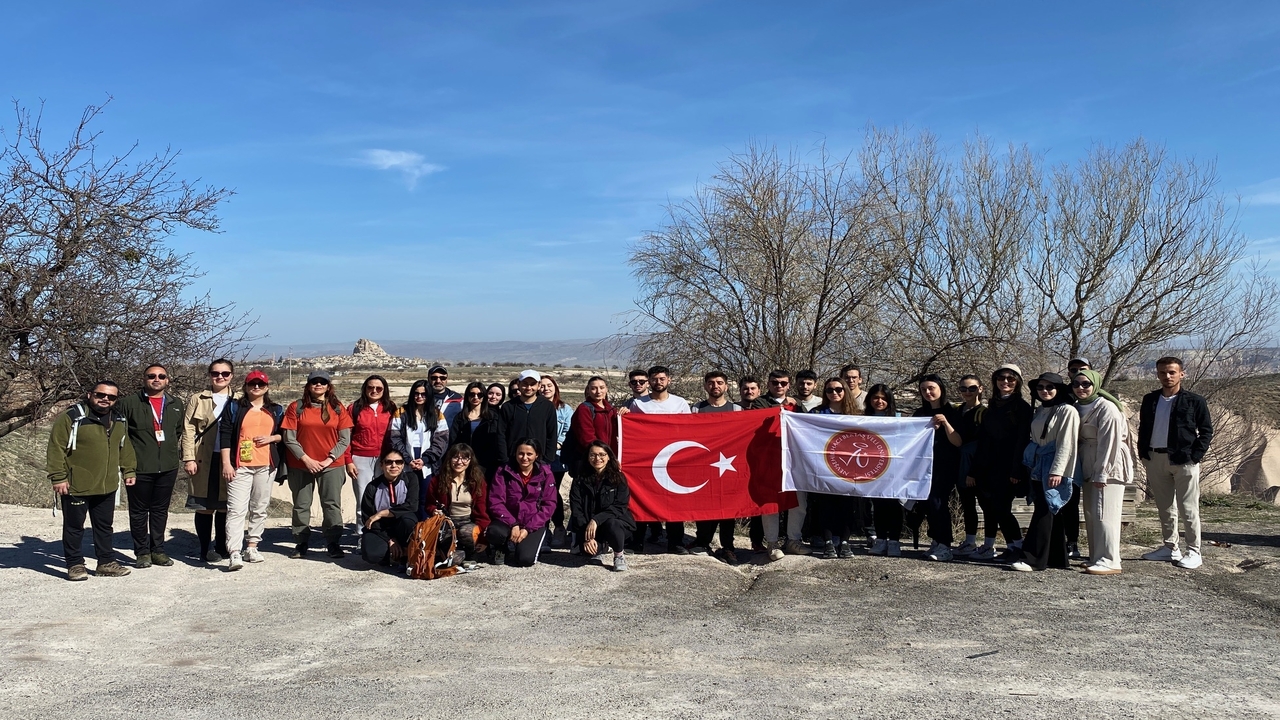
(710, 466)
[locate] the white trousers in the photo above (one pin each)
(248, 496)
(366, 469)
(795, 516)
(1103, 507)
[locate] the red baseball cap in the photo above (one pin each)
(257, 375)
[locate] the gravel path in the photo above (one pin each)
(674, 637)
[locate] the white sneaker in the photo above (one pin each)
(966, 548)
(775, 552)
(880, 547)
(1164, 553)
(236, 563)
(1021, 567)
(895, 548)
(986, 552)
(1191, 561)
(940, 553)
(252, 555)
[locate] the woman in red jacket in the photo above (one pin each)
(371, 415)
(459, 492)
(593, 421)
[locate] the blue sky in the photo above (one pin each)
(475, 171)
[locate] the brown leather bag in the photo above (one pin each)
(433, 549)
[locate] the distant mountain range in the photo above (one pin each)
(587, 352)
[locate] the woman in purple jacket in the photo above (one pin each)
(522, 498)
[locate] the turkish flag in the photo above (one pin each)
(710, 466)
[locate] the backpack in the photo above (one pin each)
(79, 416)
(433, 549)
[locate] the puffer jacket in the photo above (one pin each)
(513, 501)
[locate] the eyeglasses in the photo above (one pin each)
(389, 461)
(836, 390)
(219, 373)
(256, 384)
(104, 396)
(319, 381)
(966, 389)
(1085, 384)
(156, 376)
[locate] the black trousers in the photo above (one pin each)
(100, 511)
(1070, 514)
(557, 517)
(526, 551)
(675, 534)
(969, 506)
(613, 533)
(939, 508)
(375, 545)
(997, 510)
(834, 516)
(888, 518)
(1046, 543)
(706, 529)
(149, 509)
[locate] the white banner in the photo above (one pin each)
(879, 457)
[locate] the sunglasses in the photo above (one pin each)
(256, 384)
(1006, 379)
(1046, 388)
(219, 373)
(1084, 385)
(421, 394)
(836, 390)
(780, 383)
(392, 462)
(968, 389)
(475, 394)
(374, 388)
(318, 381)
(441, 378)
(637, 381)
(104, 396)
(156, 376)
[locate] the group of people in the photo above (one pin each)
(492, 459)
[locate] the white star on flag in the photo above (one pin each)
(725, 464)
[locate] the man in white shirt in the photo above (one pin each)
(660, 401)
(806, 386)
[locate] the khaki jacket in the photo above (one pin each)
(199, 433)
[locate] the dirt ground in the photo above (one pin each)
(673, 637)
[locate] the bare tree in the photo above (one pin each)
(88, 287)
(760, 269)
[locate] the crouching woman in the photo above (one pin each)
(458, 491)
(521, 501)
(390, 511)
(598, 506)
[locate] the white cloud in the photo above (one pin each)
(411, 164)
(1264, 193)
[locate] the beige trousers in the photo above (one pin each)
(248, 496)
(1176, 490)
(1103, 507)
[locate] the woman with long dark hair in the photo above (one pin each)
(970, 417)
(550, 389)
(593, 420)
(370, 417)
(202, 460)
(474, 426)
(317, 432)
(390, 509)
(598, 506)
(1055, 430)
(419, 433)
(946, 462)
(836, 515)
(459, 491)
(521, 500)
(997, 465)
(886, 513)
(251, 457)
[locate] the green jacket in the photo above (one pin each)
(98, 462)
(153, 457)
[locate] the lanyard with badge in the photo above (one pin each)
(157, 416)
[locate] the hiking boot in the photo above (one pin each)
(77, 573)
(727, 555)
(967, 548)
(880, 547)
(142, 560)
(252, 555)
(894, 549)
(235, 563)
(111, 568)
(335, 551)
(159, 558)
(844, 552)
(793, 547)
(619, 563)
(299, 551)
(1164, 553)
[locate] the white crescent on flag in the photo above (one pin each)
(660, 467)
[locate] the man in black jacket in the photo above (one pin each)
(1174, 430)
(528, 415)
